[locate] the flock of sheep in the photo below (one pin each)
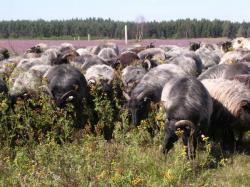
(204, 87)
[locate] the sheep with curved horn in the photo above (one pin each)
(189, 107)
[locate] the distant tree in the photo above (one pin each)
(248, 32)
(227, 29)
(242, 31)
(139, 27)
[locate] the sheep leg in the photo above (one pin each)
(190, 143)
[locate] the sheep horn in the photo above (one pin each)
(67, 94)
(149, 64)
(184, 123)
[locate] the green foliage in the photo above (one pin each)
(35, 120)
(108, 106)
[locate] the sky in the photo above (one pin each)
(126, 10)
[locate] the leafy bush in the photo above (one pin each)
(35, 120)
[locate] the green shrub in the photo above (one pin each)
(35, 120)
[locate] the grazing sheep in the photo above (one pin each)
(28, 82)
(172, 48)
(109, 56)
(189, 62)
(231, 111)
(100, 73)
(49, 55)
(66, 84)
(208, 55)
(225, 71)
(189, 107)
(7, 66)
(23, 66)
(138, 48)
(149, 88)
(35, 51)
(127, 58)
(85, 61)
(82, 51)
(96, 50)
(153, 53)
(131, 76)
(236, 56)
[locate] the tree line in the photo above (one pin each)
(107, 28)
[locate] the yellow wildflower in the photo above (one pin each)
(179, 132)
(113, 162)
(136, 181)
(168, 176)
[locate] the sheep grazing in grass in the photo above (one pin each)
(231, 111)
(189, 107)
(149, 89)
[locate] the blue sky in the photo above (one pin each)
(126, 10)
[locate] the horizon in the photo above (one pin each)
(146, 21)
(117, 10)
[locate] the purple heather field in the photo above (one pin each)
(20, 46)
